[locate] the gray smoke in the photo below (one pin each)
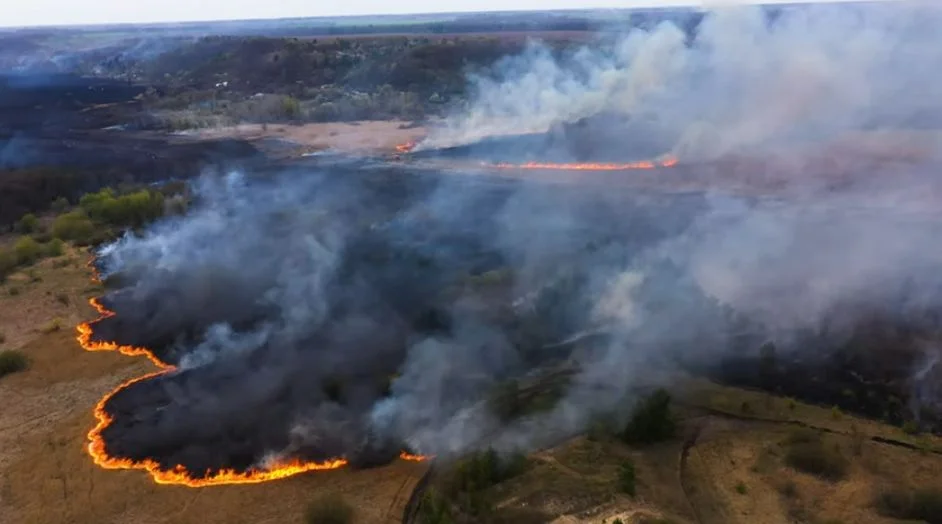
(741, 83)
(275, 294)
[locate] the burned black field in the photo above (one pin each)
(355, 312)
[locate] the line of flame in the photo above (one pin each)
(590, 166)
(414, 458)
(178, 474)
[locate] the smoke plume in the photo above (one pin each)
(743, 81)
(349, 310)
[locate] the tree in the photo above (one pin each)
(652, 420)
(27, 224)
(74, 226)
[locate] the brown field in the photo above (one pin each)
(46, 476)
(368, 137)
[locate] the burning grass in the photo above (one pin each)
(271, 470)
(178, 474)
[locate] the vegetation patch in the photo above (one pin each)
(920, 505)
(808, 452)
(329, 509)
(12, 361)
(652, 420)
(464, 491)
(627, 478)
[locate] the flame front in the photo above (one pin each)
(413, 458)
(669, 161)
(405, 148)
(178, 474)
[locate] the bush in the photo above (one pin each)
(484, 469)
(329, 510)
(53, 248)
(652, 420)
(27, 250)
(130, 210)
(627, 478)
(921, 505)
(7, 263)
(74, 226)
(27, 224)
(434, 508)
(911, 427)
(60, 205)
(466, 484)
(741, 488)
(52, 326)
(807, 452)
(12, 362)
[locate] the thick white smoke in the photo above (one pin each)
(741, 82)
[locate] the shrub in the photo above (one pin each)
(484, 469)
(60, 205)
(807, 452)
(27, 224)
(53, 248)
(789, 489)
(62, 298)
(27, 250)
(12, 362)
(290, 107)
(911, 427)
(74, 226)
(329, 510)
(130, 210)
(923, 504)
(652, 420)
(52, 326)
(434, 508)
(3, 338)
(7, 263)
(741, 488)
(13, 291)
(627, 478)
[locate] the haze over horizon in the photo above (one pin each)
(98, 12)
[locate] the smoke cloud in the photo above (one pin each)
(742, 81)
(349, 310)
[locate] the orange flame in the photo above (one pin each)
(669, 161)
(178, 474)
(405, 148)
(413, 458)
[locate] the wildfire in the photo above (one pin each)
(405, 148)
(591, 166)
(177, 474)
(413, 458)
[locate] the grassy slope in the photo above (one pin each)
(734, 468)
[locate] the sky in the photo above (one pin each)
(76, 12)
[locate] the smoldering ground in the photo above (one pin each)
(351, 310)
